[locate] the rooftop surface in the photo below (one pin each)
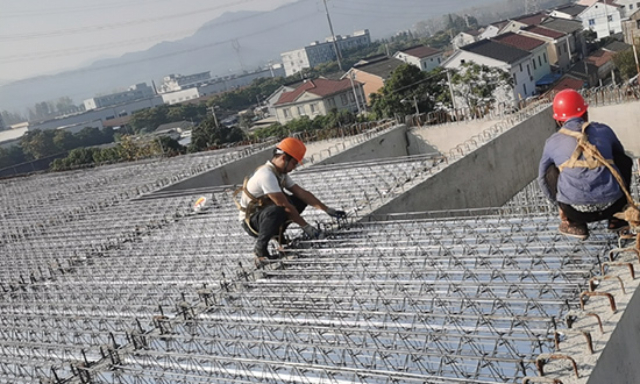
(97, 283)
(496, 50)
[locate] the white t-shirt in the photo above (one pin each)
(265, 180)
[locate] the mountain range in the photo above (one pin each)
(231, 43)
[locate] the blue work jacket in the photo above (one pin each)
(581, 186)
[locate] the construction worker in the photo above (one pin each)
(584, 189)
(266, 209)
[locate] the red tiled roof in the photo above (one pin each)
(320, 87)
(421, 51)
(600, 57)
(610, 2)
(567, 82)
(542, 31)
(519, 41)
(534, 19)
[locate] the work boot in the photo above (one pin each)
(617, 225)
(577, 230)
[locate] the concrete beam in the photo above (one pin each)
(487, 177)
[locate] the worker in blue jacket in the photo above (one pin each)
(583, 189)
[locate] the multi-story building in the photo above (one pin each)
(631, 28)
(174, 83)
(603, 17)
(423, 57)
(136, 92)
(538, 48)
(318, 53)
(558, 47)
(318, 97)
(372, 74)
(516, 62)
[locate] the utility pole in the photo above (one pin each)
(453, 98)
(333, 37)
(215, 118)
(355, 93)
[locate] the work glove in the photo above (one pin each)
(313, 232)
(336, 213)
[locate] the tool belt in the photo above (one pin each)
(255, 203)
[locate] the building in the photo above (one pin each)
(517, 23)
(604, 18)
(136, 92)
(174, 83)
(516, 62)
(558, 47)
(421, 56)
(373, 74)
(317, 53)
(537, 47)
(627, 7)
(467, 37)
(319, 97)
(575, 31)
(631, 27)
(568, 12)
(603, 60)
(488, 32)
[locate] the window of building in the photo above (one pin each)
(352, 98)
(520, 67)
(528, 69)
(534, 65)
(638, 4)
(301, 110)
(630, 6)
(545, 57)
(524, 87)
(313, 108)
(286, 113)
(592, 22)
(344, 99)
(610, 17)
(332, 103)
(540, 60)
(515, 79)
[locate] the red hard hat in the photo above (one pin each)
(568, 104)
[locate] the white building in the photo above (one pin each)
(318, 97)
(568, 12)
(539, 66)
(421, 56)
(318, 53)
(174, 83)
(602, 18)
(468, 37)
(493, 54)
(135, 92)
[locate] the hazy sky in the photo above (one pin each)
(43, 36)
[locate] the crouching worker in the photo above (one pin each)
(265, 208)
(575, 171)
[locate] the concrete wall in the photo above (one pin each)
(623, 119)
(487, 177)
(391, 144)
(230, 174)
(618, 362)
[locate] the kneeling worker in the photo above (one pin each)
(572, 171)
(264, 205)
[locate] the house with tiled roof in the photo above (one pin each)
(603, 17)
(568, 12)
(524, 21)
(558, 45)
(422, 56)
(497, 55)
(373, 74)
(318, 97)
(539, 66)
(573, 29)
(465, 37)
(603, 60)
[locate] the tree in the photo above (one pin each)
(38, 143)
(207, 135)
(626, 64)
(480, 85)
(407, 86)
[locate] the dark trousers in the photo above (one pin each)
(268, 221)
(625, 166)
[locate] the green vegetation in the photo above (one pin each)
(626, 64)
(476, 84)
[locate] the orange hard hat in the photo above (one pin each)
(568, 104)
(293, 147)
